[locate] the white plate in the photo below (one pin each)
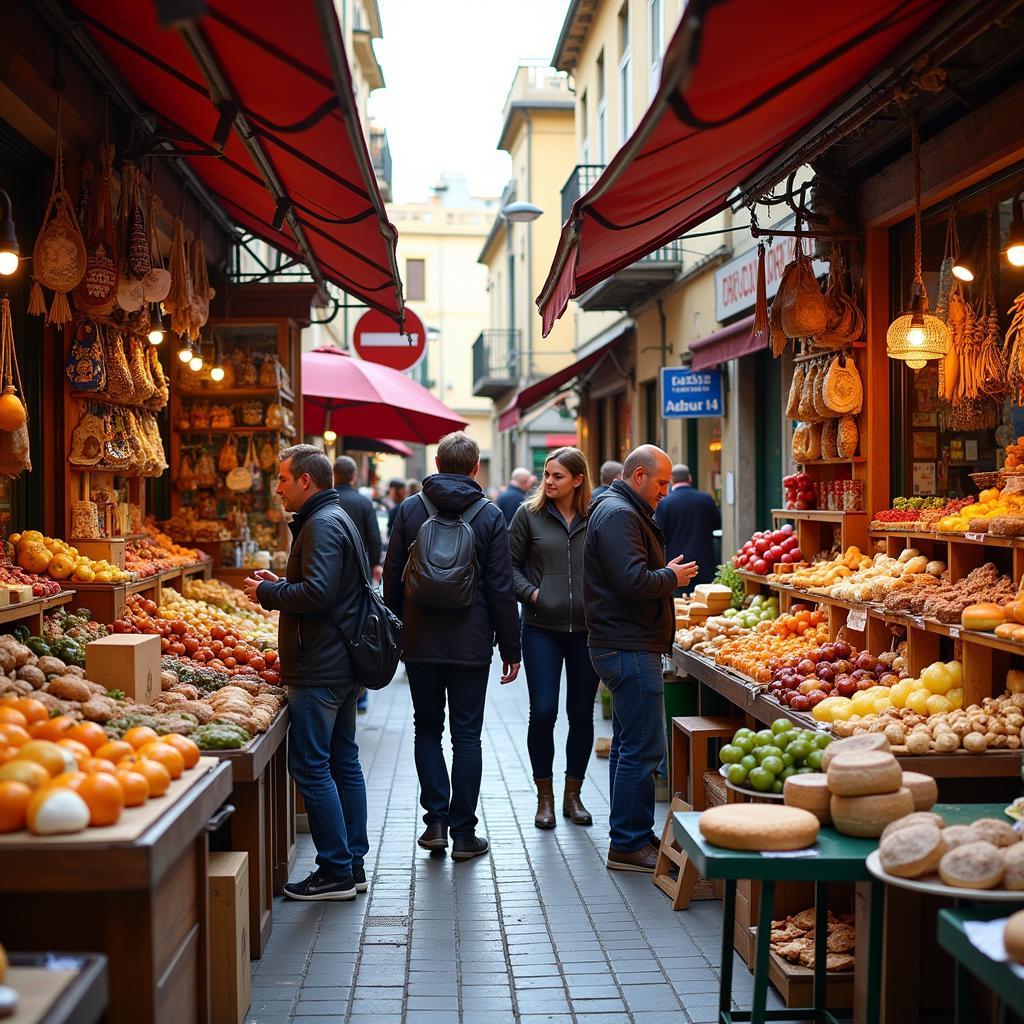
(934, 886)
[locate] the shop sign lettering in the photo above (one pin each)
(689, 394)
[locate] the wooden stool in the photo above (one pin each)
(682, 884)
(690, 738)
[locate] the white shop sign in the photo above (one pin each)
(736, 281)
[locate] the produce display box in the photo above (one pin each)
(58, 988)
(795, 983)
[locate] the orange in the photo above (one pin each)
(115, 750)
(140, 734)
(31, 773)
(12, 715)
(33, 710)
(170, 758)
(13, 734)
(158, 777)
(135, 786)
(69, 780)
(53, 758)
(14, 798)
(105, 797)
(8, 751)
(52, 729)
(97, 764)
(89, 733)
(79, 751)
(56, 810)
(188, 749)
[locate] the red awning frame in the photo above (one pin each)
(732, 342)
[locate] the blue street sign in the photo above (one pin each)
(688, 394)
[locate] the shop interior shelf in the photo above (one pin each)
(64, 597)
(983, 539)
(204, 432)
(909, 535)
(819, 515)
(17, 612)
(286, 393)
(853, 460)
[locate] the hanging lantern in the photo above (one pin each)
(916, 336)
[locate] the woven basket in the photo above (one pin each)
(985, 480)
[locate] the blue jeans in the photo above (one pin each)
(638, 742)
(323, 759)
(544, 653)
(464, 689)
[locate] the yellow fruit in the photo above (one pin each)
(881, 703)
(918, 702)
(84, 574)
(956, 698)
(937, 678)
(899, 693)
(956, 672)
(937, 704)
(843, 712)
(823, 710)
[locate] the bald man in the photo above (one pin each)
(627, 594)
(515, 494)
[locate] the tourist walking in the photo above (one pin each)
(610, 472)
(515, 493)
(393, 497)
(628, 595)
(546, 537)
(360, 510)
(321, 601)
(689, 518)
(448, 576)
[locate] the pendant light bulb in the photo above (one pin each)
(9, 262)
(10, 251)
(962, 272)
(195, 364)
(185, 352)
(917, 364)
(330, 437)
(156, 334)
(217, 374)
(915, 335)
(1015, 235)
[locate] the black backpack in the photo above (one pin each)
(442, 570)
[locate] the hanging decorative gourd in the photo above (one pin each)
(96, 293)
(14, 444)
(917, 336)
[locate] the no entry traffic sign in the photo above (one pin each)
(377, 338)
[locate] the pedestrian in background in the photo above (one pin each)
(360, 510)
(448, 648)
(689, 518)
(546, 537)
(515, 493)
(610, 472)
(394, 497)
(413, 486)
(321, 604)
(630, 618)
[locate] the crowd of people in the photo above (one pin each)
(560, 577)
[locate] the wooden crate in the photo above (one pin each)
(795, 983)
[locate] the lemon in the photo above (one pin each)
(918, 702)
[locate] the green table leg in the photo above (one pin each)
(764, 938)
(728, 925)
(876, 940)
(962, 999)
(820, 944)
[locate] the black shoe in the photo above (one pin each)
(319, 886)
(359, 876)
(435, 836)
(468, 847)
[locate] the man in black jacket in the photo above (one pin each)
(627, 593)
(514, 494)
(360, 510)
(448, 652)
(689, 518)
(321, 602)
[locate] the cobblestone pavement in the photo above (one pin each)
(540, 932)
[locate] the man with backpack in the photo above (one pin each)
(448, 576)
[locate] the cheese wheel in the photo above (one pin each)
(917, 818)
(759, 827)
(912, 851)
(809, 792)
(972, 866)
(996, 832)
(862, 741)
(864, 773)
(867, 816)
(923, 788)
(1013, 939)
(1013, 863)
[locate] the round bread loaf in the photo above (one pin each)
(917, 818)
(923, 788)
(972, 866)
(864, 773)
(867, 816)
(1013, 863)
(996, 832)
(759, 827)
(957, 835)
(861, 742)
(809, 792)
(912, 851)
(1013, 939)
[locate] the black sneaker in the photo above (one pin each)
(319, 886)
(359, 877)
(468, 847)
(435, 836)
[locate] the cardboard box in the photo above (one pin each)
(230, 992)
(110, 549)
(126, 661)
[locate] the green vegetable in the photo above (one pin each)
(116, 694)
(22, 633)
(39, 647)
(727, 576)
(220, 736)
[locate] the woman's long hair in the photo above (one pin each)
(575, 464)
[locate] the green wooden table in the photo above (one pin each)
(838, 858)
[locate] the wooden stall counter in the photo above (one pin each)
(58, 988)
(136, 891)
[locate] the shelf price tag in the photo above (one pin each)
(917, 620)
(857, 619)
(811, 852)
(954, 632)
(980, 537)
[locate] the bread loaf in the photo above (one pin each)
(862, 741)
(923, 788)
(867, 816)
(759, 827)
(917, 818)
(912, 851)
(864, 773)
(1013, 938)
(809, 792)
(972, 866)
(1013, 864)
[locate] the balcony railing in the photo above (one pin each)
(380, 158)
(495, 362)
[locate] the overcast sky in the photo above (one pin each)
(448, 65)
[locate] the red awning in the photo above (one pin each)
(730, 342)
(559, 440)
(740, 80)
(303, 180)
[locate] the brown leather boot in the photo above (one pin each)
(572, 805)
(545, 816)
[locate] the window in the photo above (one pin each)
(415, 280)
(657, 43)
(602, 113)
(625, 76)
(651, 419)
(584, 128)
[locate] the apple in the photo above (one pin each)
(845, 686)
(825, 671)
(814, 699)
(808, 686)
(866, 661)
(842, 648)
(787, 528)
(761, 545)
(760, 567)
(800, 703)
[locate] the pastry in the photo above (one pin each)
(1013, 938)
(917, 818)
(996, 832)
(957, 835)
(912, 851)
(972, 866)
(1013, 864)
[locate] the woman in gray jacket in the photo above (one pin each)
(546, 537)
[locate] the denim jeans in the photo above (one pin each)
(638, 742)
(323, 759)
(464, 689)
(544, 653)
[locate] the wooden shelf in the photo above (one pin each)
(286, 393)
(198, 432)
(853, 460)
(64, 597)
(819, 515)
(976, 540)
(908, 535)
(827, 353)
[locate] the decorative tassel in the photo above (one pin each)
(761, 304)
(36, 300)
(60, 311)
